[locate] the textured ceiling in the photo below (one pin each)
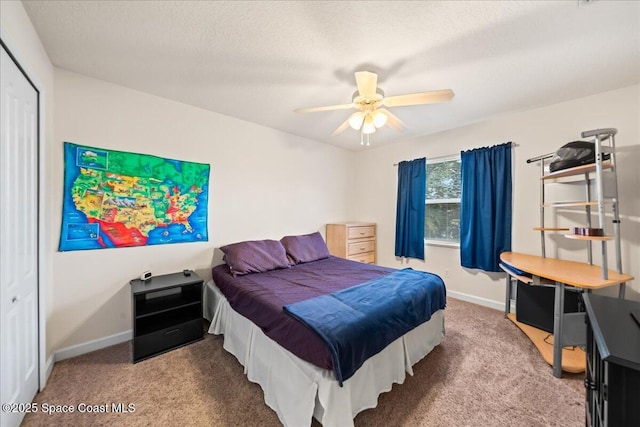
(258, 61)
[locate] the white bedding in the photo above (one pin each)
(297, 390)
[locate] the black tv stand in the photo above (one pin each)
(167, 313)
(613, 362)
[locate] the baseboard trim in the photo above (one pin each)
(496, 305)
(93, 345)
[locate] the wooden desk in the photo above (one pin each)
(568, 329)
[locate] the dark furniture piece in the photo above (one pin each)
(167, 313)
(613, 362)
(534, 304)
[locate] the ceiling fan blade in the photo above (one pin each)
(367, 83)
(393, 121)
(341, 128)
(327, 108)
(418, 98)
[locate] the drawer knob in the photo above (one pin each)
(362, 249)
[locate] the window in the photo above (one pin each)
(442, 210)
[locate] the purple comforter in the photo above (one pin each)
(261, 296)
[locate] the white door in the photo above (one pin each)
(18, 239)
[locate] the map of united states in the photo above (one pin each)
(119, 199)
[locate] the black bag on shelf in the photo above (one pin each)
(572, 154)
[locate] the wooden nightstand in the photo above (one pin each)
(167, 313)
(353, 240)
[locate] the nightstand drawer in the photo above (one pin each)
(166, 339)
(368, 258)
(361, 247)
(361, 232)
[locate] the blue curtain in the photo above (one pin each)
(485, 206)
(412, 190)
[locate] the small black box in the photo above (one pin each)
(534, 305)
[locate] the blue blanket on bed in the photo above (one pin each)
(359, 322)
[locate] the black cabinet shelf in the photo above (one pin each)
(164, 310)
(613, 362)
(149, 306)
(167, 313)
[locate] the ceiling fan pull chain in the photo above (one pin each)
(363, 138)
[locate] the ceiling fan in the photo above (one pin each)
(369, 100)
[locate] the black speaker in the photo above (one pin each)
(534, 305)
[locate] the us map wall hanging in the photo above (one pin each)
(116, 199)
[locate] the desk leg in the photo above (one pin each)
(558, 317)
(507, 298)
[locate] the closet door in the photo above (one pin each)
(18, 240)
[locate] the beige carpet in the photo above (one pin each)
(485, 373)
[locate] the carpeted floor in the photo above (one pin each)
(485, 373)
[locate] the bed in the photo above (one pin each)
(292, 363)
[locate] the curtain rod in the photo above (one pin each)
(513, 144)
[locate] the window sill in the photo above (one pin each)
(442, 243)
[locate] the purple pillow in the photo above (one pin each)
(255, 256)
(306, 248)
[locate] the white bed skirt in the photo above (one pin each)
(297, 390)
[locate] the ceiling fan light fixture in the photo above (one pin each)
(379, 118)
(368, 126)
(356, 119)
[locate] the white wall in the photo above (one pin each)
(20, 37)
(536, 132)
(264, 184)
